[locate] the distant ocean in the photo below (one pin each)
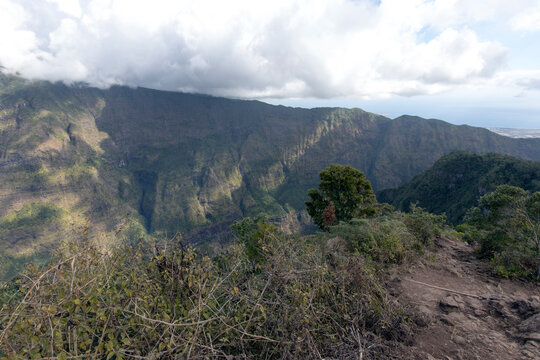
(516, 133)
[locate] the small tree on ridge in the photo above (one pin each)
(347, 188)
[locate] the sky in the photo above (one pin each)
(462, 61)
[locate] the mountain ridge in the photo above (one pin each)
(138, 161)
(456, 182)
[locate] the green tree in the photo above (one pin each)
(347, 188)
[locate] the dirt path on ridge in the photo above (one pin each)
(483, 317)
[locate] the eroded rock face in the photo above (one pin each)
(532, 324)
(524, 308)
(529, 329)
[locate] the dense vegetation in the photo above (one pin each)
(268, 295)
(27, 222)
(506, 224)
(456, 182)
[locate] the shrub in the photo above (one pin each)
(145, 301)
(254, 233)
(385, 240)
(470, 234)
(508, 224)
(423, 225)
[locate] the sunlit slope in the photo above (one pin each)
(56, 179)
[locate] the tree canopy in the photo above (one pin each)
(347, 188)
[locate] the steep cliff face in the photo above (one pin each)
(124, 162)
(218, 159)
(57, 179)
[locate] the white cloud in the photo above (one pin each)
(292, 49)
(527, 20)
(17, 44)
(518, 80)
(70, 7)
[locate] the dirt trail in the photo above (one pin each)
(483, 317)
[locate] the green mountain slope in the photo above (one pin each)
(456, 182)
(123, 162)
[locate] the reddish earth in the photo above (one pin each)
(475, 316)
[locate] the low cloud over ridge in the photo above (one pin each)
(289, 49)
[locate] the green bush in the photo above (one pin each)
(423, 225)
(385, 240)
(507, 226)
(253, 233)
(513, 263)
(169, 302)
(470, 234)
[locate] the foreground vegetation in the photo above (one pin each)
(267, 296)
(506, 227)
(493, 199)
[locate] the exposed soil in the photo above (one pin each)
(483, 317)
